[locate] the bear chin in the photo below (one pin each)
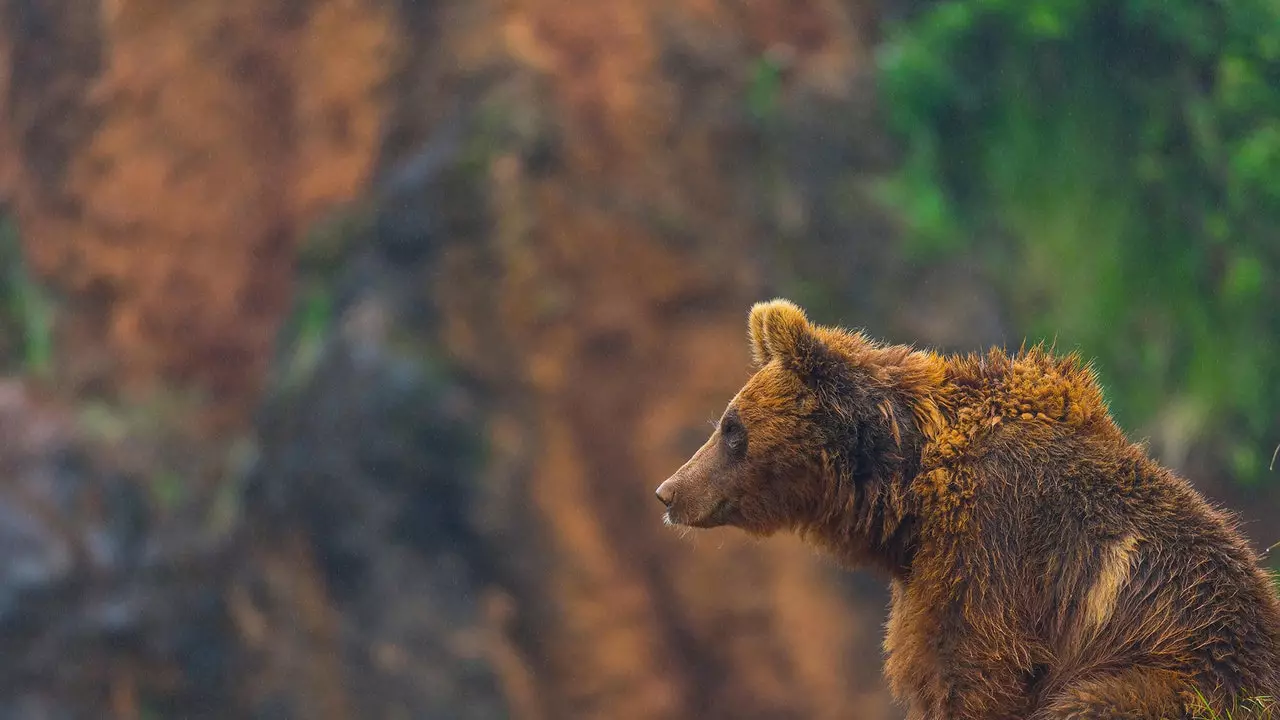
(724, 513)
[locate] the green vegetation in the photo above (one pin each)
(307, 331)
(1256, 708)
(1117, 166)
(158, 446)
(764, 89)
(26, 313)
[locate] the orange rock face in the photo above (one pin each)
(168, 161)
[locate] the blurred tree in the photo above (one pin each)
(1117, 166)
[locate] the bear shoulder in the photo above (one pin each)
(1044, 394)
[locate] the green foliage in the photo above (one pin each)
(1117, 166)
(308, 332)
(26, 313)
(764, 89)
(1255, 708)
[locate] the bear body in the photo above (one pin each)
(1042, 566)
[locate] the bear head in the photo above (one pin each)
(826, 422)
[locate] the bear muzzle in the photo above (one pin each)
(686, 506)
(696, 495)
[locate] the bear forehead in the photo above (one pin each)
(774, 390)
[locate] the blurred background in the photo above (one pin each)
(343, 342)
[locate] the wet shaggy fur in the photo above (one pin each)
(1042, 566)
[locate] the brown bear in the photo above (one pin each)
(1042, 566)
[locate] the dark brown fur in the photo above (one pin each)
(1042, 565)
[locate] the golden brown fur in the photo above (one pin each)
(1042, 566)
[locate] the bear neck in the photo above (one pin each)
(870, 516)
(893, 478)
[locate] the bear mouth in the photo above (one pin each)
(721, 514)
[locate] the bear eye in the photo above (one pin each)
(732, 431)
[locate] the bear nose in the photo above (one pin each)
(665, 493)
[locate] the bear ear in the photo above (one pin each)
(779, 328)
